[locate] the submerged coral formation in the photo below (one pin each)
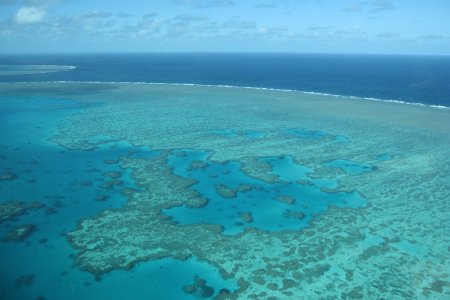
(8, 176)
(12, 209)
(19, 233)
(199, 288)
(24, 281)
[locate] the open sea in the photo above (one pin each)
(421, 79)
(224, 176)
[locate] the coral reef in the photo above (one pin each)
(286, 199)
(13, 209)
(247, 217)
(24, 281)
(199, 288)
(396, 246)
(225, 191)
(8, 176)
(19, 233)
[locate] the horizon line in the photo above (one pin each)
(220, 52)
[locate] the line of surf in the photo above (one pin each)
(13, 70)
(441, 107)
(68, 67)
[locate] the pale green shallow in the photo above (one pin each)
(397, 247)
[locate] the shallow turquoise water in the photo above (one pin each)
(260, 199)
(307, 133)
(73, 185)
(235, 133)
(307, 205)
(351, 167)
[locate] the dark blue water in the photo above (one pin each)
(423, 79)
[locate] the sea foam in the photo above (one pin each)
(441, 107)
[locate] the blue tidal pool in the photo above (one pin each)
(255, 134)
(306, 133)
(350, 167)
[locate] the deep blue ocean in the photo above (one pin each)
(421, 79)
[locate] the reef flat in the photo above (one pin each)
(383, 168)
(8, 70)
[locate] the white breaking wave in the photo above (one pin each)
(47, 66)
(10, 70)
(441, 107)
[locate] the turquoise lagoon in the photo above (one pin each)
(141, 191)
(237, 201)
